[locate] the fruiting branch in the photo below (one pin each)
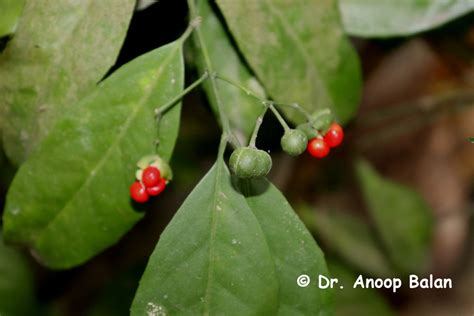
(258, 123)
(278, 116)
(248, 92)
(163, 109)
(220, 109)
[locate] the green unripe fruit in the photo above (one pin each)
(308, 130)
(294, 142)
(246, 162)
(321, 120)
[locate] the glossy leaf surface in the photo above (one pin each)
(70, 199)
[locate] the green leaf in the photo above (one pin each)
(356, 301)
(352, 239)
(10, 11)
(212, 259)
(401, 216)
(60, 50)
(386, 18)
(299, 52)
(241, 110)
(293, 249)
(471, 139)
(242, 255)
(17, 293)
(70, 199)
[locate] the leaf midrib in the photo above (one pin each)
(220, 164)
(105, 157)
(212, 236)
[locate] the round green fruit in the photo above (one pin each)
(246, 162)
(308, 130)
(321, 120)
(294, 142)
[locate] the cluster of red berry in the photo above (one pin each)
(151, 184)
(320, 146)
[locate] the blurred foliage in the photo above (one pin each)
(401, 217)
(351, 301)
(387, 18)
(17, 288)
(349, 237)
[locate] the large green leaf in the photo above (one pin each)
(352, 239)
(352, 301)
(241, 110)
(212, 259)
(70, 199)
(17, 295)
(385, 18)
(242, 255)
(402, 218)
(60, 50)
(298, 50)
(293, 249)
(10, 11)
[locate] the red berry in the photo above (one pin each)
(138, 192)
(318, 148)
(151, 176)
(157, 189)
(334, 135)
